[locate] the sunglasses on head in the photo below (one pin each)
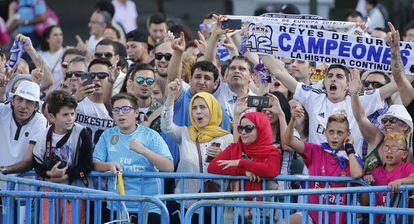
(392, 120)
(124, 109)
(103, 55)
(248, 128)
(140, 80)
(374, 84)
(78, 74)
(386, 148)
(159, 56)
(100, 75)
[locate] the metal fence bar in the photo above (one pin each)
(296, 206)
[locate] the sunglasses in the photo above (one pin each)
(70, 74)
(140, 80)
(103, 55)
(374, 84)
(387, 148)
(159, 56)
(248, 128)
(100, 75)
(392, 120)
(206, 26)
(124, 109)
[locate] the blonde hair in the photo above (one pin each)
(188, 62)
(340, 118)
(400, 137)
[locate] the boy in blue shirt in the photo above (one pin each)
(133, 148)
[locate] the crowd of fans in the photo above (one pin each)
(156, 100)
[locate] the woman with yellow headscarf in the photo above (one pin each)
(199, 143)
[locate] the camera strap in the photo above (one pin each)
(59, 144)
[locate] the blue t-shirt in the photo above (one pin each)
(28, 10)
(113, 146)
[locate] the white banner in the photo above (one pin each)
(325, 47)
(292, 16)
(338, 26)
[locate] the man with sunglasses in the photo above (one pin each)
(142, 82)
(108, 49)
(91, 111)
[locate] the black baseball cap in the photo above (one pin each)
(137, 35)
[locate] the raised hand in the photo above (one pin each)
(201, 43)
(393, 37)
(355, 84)
(178, 44)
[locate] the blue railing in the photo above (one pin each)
(391, 213)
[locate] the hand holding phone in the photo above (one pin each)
(210, 157)
(259, 102)
(86, 76)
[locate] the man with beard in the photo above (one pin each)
(142, 82)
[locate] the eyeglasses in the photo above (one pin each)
(392, 120)
(205, 26)
(103, 55)
(374, 84)
(159, 56)
(78, 74)
(140, 80)
(100, 75)
(124, 109)
(385, 148)
(248, 128)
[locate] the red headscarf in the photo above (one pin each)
(259, 151)
(262, 147)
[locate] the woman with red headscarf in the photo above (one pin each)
(252, 155)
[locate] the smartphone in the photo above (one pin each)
(232, 24)
(258, 101)
(88, 78)
(214, 144)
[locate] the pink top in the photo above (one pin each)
(322, 163)
(383, 177)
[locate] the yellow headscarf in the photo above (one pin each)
(212, 130)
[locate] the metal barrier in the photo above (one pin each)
(221, 179)
(352, 194)
(68, 204)
(392, 214)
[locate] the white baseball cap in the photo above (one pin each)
(28, 90)
(400, 112)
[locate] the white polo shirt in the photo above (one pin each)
(319, 108)
(14, 139)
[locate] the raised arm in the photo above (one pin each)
(289, 139)
(167, 123)
(175, 65)
(278, 70)
(368, 130)
(48, 78)
(397, 67)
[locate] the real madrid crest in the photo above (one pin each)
(114, 139)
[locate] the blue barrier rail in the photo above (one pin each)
(34, 197)
(372, 211)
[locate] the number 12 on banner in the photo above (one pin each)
(260, 38)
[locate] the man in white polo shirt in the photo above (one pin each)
(19, 122)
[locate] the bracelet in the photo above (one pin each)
(349, 149)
